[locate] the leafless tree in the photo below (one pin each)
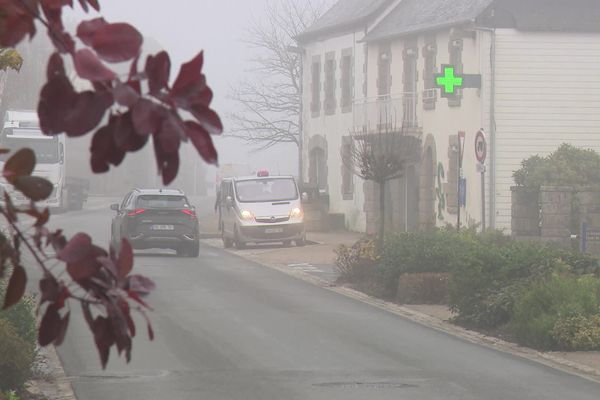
(270, 98)
(381, 155)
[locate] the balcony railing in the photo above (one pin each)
(395, 111)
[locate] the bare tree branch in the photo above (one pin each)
(270, 100)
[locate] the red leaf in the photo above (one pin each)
(172, 131)
(43, 218)
(125, 137)
(76, 249)
(125, 95)
(57, 4)
(140, 284)
(48, 289)
(150, 331)
(81, 270)
(56, 66)
(50, 326)
(158, 69)
(87, 29)
(16, 23)
(202, 141)
(19, 164)
(127, 313)
(168, 164)
(93, 3)
(207, 118)
(16, 287)
(64, 324)
(135, 296)
(34, 188)
(147, 117)
(88, 111)
(189, 74)
(88, 66)
(117, 42)
(125, 260)
(103, 337)
(57, 100)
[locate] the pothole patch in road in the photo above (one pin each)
(367, 385)
(122, 377)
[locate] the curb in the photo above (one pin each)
(437, 324)
(56, 386)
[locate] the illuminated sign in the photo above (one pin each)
(450, 81)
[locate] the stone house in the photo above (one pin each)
(537, 61)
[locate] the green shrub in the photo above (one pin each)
(20, 316)
(16, 360)
(423, 288)
(484, 289)
(417, 252)
(541, 307)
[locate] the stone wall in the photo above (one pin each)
(525, 222)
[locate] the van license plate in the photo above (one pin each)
(274, 230)
(163, 227)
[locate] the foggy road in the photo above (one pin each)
(230, 329)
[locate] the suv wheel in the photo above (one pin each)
(194, 250)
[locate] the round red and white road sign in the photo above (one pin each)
(480, 146)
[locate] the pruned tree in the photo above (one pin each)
(269, 100)
(381, 156)
(123, 112)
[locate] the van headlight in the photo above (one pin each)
(296, 213)
(246, 215)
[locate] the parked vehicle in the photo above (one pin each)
(21, 129)
(157, 218)
(261, 209)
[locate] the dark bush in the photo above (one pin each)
(423, 288)
(16, 358)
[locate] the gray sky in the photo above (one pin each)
(184, 27)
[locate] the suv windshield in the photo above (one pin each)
(258, 190)
(161, 201)
(45, 149)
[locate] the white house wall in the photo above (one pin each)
(547, 93)
(334, 127)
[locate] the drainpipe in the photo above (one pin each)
(492, 146)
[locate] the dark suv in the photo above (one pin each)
(157, 218)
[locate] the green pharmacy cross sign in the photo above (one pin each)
(449, 81)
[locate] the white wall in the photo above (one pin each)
(547, 93)
(334, 127)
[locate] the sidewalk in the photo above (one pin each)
(315, 263)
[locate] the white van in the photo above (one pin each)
(261, 209)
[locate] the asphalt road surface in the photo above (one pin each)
(230, 329)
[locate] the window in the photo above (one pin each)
(429, 70)
(330, 83)
(455, 47)
(410, 78)
(125, 201)
(265, 190)
(347, 178)
(347, 80)
(315, 104)
(384, 78)
(161, 201)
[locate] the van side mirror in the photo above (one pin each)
(114, 207)
(304, 197)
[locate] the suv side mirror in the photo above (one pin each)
(114, 207)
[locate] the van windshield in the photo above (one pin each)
(46, 149)
(259, 190)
